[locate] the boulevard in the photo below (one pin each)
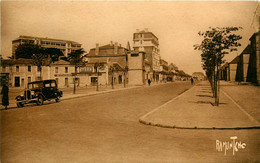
(106, 128)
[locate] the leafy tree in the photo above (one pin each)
(54, 53)
(27, 50)
(76, 58)
(216, 44)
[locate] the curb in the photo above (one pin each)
(195, 127)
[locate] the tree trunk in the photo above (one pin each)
(40, 73)
(124, 80)
(97, 80)
(74, 89)
(112, 81)
(217, 88)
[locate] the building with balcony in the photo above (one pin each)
(150, 44)
(65, 46)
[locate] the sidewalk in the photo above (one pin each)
(80, 92)
(194, 109)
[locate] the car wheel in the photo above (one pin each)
(20, 104)
(39, 100)
(57, 99)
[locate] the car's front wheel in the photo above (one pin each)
(40, 100)
(20, 104)
(57, 99)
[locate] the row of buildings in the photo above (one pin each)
(106, 64)
(245, 67)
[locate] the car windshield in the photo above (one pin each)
(35, 85)
(50, 84)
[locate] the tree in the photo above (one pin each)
(27, 50)
(53, 53)
(97, 66)
(39, 60)
(76, 58)
(216, 44)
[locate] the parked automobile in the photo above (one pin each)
(38, 92)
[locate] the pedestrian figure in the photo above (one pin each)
(191, 80)
(149, 82)
(5, 98)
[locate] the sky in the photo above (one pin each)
(175, 23)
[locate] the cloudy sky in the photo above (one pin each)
(175, 23)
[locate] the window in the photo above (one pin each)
(4, 69)
(141, 41)
(66, 69)
(17, 68)
(56, 69)
(29, 68)
(38, 69)
(66, 82)
(29, 79)
(38, 78)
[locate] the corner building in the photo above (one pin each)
(150, 44)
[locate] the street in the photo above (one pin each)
(105, 128)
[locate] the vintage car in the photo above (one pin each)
(38, 92)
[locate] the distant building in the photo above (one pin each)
(164, 71)
(150, 44)
(198, 76)
(65, 46)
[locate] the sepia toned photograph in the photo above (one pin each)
(130, 81)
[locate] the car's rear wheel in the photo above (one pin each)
(40, 100)
(20, 104)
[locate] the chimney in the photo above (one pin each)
(115, 48)
(137, 30)
(111, 43)
(97, 49)
(146, 29)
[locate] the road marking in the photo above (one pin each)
(249, 116)
(147, 114)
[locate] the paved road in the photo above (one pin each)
(105, 128)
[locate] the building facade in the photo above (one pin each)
(65, 46)
(150, 44)
(112, 62)
(18, 72)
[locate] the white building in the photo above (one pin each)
(65, 46)
(149, 42)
